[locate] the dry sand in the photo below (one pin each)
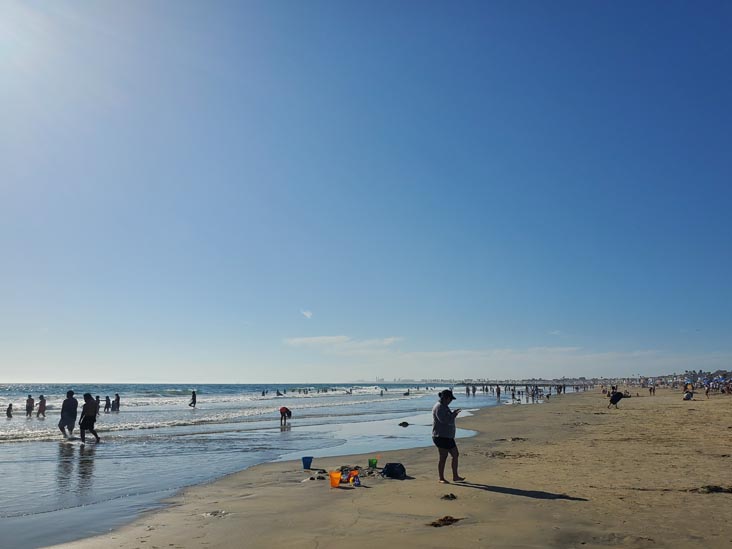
(569, 473)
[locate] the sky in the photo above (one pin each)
(246, 192)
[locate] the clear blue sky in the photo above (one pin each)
(326, 191)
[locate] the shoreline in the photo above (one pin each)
(72, 491)
(567, 473)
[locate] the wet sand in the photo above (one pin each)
(569, 473)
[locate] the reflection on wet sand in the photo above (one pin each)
(65, 466)
(86, 467)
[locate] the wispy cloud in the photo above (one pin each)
(555, 332)
(383, 355)
(318, 341)
(306, 314)
(343, 345)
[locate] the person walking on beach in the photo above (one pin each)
(107, 404)
(68, 414)
(192, 403)
(443, 435)
(9, 411)
(41, 406)
(88, 417)
(285, 414)
(29, 405)
(615, 397)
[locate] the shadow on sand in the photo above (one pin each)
(536, 494)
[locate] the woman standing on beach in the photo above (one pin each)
(443, 435)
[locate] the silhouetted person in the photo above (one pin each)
(115, 403)
(615, 397)
(29, 405)
(9, 411)
(68, 414)
(99, 404)
(41, 406)
(192, 403)
(88, 417)
(107, 404)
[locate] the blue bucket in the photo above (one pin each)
(307, 461)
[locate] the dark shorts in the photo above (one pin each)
(67, 422)
(444, 442)
(87, 423)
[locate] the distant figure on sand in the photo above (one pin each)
(41, 406)
(443, 435)
(615, 397)
(68, 414)
(88, 417)
(107, 404)
(285, 414)
(192, 403)
(29, 405)
(9, 411)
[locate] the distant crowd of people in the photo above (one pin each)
(528, 391)
(69, 412)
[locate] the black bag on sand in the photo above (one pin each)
(394, 470)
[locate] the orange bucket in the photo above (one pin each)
(335, 479)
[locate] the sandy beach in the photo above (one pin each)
(568, 473)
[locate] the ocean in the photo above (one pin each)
(56, 490)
